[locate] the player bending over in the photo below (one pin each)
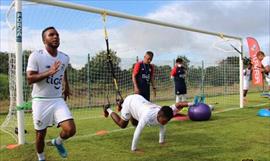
(265, 60)
(142, 112)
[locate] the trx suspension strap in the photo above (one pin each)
(109, 61)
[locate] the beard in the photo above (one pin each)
(54, 45)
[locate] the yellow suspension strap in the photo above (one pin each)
(109, 59)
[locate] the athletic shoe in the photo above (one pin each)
(60, 148)
(105, 107)
(196, 100)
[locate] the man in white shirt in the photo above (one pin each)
(246, 79)
(46, 70)
(141, 113)
(265, 60)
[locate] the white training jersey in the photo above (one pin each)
(145, 113)
(266, 62)
(247, 74)
(41, 61)
(140, 109)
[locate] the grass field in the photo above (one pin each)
(232, 134)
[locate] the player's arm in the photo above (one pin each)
(137, 134)
(66, 91)
(266, 69)
(173, 72)
(34, 76)
(134, 74)
(162, 131)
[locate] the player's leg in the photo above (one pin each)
(122, 123)
(42, 118)
(245, 91)
(245, 88)
(68, 129)
(177, 98)
(118, 120)
(183, 97)
(40, 143)
(183, 92)
(64, 119)
(145, 92)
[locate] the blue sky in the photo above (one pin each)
(82, 33)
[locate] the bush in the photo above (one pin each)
(4, 86)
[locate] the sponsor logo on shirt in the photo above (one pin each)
(39, 123)
(57, 82)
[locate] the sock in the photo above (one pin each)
(41, 156)
(177, 99)
(59, 140)
(109, 111)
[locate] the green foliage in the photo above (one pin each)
(225, 73)
(4, 62)
(228, 136)
(4, 86)
(162, 73)
(95, 78)
(101, 66)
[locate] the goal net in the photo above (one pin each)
(210, 72)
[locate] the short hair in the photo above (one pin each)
(150, 53)
(167, 112)
(46, 29)
(179, 60)
(260, 53)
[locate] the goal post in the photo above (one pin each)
(151, 21)
(89, 83)
(19, 73)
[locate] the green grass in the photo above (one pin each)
(229, 136)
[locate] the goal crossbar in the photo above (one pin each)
(127, 16)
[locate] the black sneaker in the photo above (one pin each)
(105, 107)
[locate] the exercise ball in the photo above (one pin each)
(199, 112)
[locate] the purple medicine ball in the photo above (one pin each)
(199, 112)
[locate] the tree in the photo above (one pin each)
(4, 62)
(100, 69)
(229, 70)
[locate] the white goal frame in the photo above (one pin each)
(18, 10)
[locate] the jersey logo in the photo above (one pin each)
(39, 123)
(57, 82)
(48, 66)
(146, 77)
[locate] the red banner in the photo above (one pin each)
(254, 47)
